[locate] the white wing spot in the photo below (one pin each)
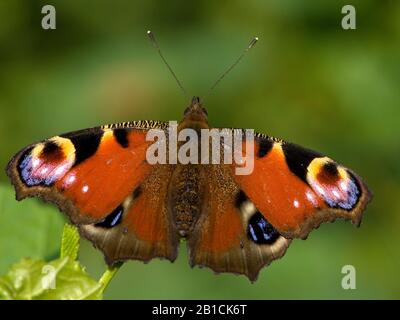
(336, 194)
(320, 189)
(343, 186)
(35, 162)
(310, 197)
(71, 179)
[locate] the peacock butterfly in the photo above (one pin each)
(133, 208)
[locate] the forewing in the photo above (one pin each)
(297, 189)
(100, 178)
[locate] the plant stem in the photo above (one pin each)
(109, 274)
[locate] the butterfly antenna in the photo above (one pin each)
(157, 47)
(251, 45)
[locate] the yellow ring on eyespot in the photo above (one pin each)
(37, 150)
(342, 173)
(316, 165)
(66, 146)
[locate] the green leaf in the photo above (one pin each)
(64, 278)
(70, 242)
(27, 229)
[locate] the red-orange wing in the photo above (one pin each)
(297, 189)
(94, 176)
(231, 235)
(140, 228)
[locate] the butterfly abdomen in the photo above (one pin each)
(186, 197)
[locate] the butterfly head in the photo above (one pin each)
(196, 112)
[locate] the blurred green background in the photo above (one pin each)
(307, 81)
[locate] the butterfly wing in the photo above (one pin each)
(249, 219)
(94, 176)
(231, 235)
(140, 228)
(297, 189)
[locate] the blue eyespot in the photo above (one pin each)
(260, 231)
